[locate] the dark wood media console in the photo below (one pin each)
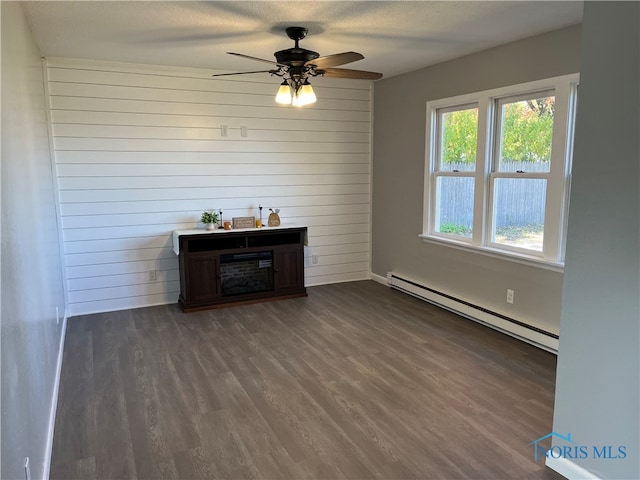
(236, 267)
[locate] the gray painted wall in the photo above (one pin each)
(398, 173)
(31, 270)
(597, 391)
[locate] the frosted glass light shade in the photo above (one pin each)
(284, 94)
(304, 96)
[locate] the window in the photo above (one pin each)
(498, 170)
(456, 168)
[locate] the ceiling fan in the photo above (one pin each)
(297, 64)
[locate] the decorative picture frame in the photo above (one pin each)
(244, 222)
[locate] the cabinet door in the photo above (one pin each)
(203, 277)
(288, 269)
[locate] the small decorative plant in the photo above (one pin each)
(209, 217)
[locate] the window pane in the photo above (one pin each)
(525, 135)
(459, 140)
(455, 205)
(519, 212)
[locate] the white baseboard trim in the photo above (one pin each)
(517, 329)
(569, 469)
(331, 282)
(46, 468)
(380, 279)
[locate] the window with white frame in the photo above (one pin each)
(498, 169)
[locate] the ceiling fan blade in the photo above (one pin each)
(244, 73)
(335, 60)
(272, 62)
(348, 73)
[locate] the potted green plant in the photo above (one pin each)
(210, 219)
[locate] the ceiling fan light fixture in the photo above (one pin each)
(304, 95)
(284, 94)
(297, 63)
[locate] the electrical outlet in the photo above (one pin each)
(27, 469)
(510, 294)
(153, 275)
(224, 130)
(314, 259)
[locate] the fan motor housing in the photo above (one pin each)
(295, 56)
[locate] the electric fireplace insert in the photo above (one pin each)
(243, 273)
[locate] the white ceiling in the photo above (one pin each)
(395, 37)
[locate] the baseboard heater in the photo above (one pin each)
(528, 333)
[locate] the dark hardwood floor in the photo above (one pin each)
(355, 381)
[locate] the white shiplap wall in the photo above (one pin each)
(139, 153)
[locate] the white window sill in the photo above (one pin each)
(496, 253)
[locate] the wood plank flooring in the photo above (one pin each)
(354, 381)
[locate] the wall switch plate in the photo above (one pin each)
(510, 294)
(244, 131)
(224, 130)
(153, 275)
(314, 259)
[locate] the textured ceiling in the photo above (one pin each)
(395, 37)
